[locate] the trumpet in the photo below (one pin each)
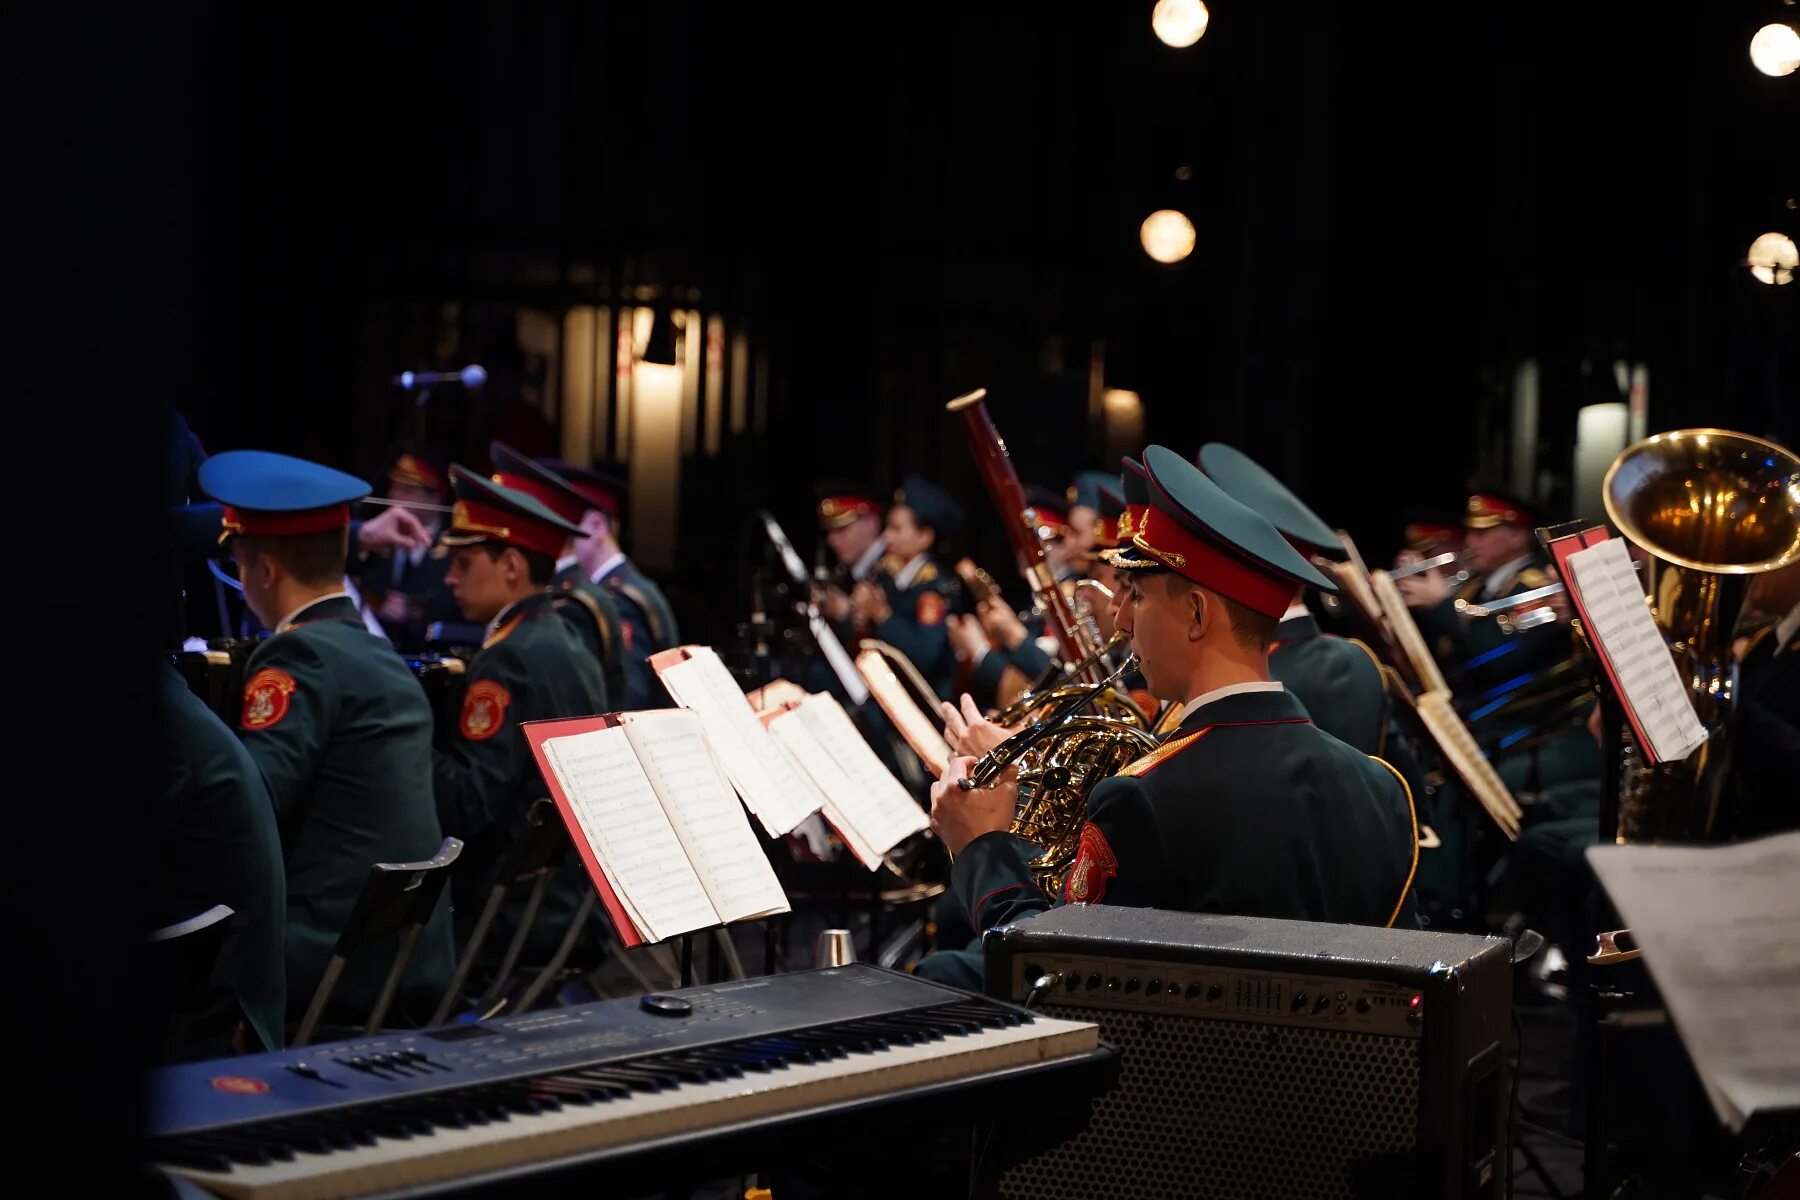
(1435, 561)
(1509, 622)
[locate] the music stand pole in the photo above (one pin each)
(687, 960)
(1589, 1025)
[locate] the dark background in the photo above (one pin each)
(256, 214)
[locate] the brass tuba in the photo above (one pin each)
(1061, 756)
(1714, 508)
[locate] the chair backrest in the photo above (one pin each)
(538, 845)
(396, 896)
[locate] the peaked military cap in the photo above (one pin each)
(1085, 491)
(841, 502)
(1252, 485)
(485, 510)
(1492, 507)
(1194, 529)
(1051, 509)
(601, 489)
(1136, 492)
(421, 471)
(277, 495)
(932, 504)
(515, 471)
(1109, 506)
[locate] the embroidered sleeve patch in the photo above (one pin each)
(1094, 865)
(484, 710)
(930, 609)
(266, 698)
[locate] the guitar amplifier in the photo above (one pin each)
(1271, 1058)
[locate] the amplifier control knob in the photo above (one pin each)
(1193, 989)
(1362, 1004)
(1153, 988)
(1298, 1003)
(1112, 983)
(1072, 980)
(1322, 1002)
(1214, 992)
(1093, 981)
(1131, 985)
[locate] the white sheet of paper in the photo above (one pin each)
(923, 733)
(1717, 925)
(808, 756)
(1622, 623)
(778, 794)
(884, 811)
(705, 813)
(618, 810)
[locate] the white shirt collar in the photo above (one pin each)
(1296, 609)
(1492, 586)
(286, 623)
(860, 569)
(607, 567)
(500, 617)
(903, 578)
(565, 562)
(1784, 628)
(1230, 689)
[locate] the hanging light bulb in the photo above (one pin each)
(1772, 258)
(1775, 50)
(1167, 235)
(1179, 23)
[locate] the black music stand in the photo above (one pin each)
(536, 850)
(183, 957)
(396, 898)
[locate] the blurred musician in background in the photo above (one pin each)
(1247, 807)
(1766, 742)
(405, 587)
(850, 523)
(1084, 514)
(216, 840)
(908, 608)
(647, 621)
(335, 722)
(531, 667)
(589, 608)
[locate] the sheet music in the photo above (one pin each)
(1716, 925)
(791, 733)
(1405, 630)
(630, 834)
(1470, 764)
(883, 810)
(779, 795)
(1620, 620)
(921, 733)
(707, 818)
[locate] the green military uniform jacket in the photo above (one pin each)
(217, 844)
(648, 625)
(915, 624)
(341, 731)
(1336, 679)
(593, 613)
(531, 668)
(1247, 808)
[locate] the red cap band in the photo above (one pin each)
(554, 499)
(474, 517)
(254, 523)
(597, 497)
(1212, 566)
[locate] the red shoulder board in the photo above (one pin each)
(930, 609)
(266, 698)
(1095, 863)
(484, 710)
(1162, 753)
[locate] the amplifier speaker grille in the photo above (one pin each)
(1351, 1099)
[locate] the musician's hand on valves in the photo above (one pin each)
(967, 638)
(967, 731)
(960, 816)
(870, 603)
(1002, 623)
(835, 604)
(395, 529)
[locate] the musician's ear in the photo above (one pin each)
(1201, 611)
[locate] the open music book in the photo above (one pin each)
(868, 807)
(923, 732)
(779, 795)
(663, 838)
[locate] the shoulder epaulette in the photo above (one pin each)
(1161, 754)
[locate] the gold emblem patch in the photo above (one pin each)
(266, 698)
(484, 710)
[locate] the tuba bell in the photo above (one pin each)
(1713, 508)
(1061, 757)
